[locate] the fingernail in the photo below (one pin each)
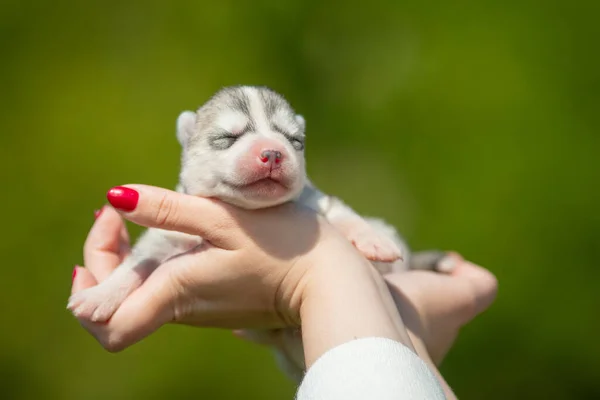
(447, 264)
(123, 198)
(74, 274)
(98, 212)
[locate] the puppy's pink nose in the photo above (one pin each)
(271, 157)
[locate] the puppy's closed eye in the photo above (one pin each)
(223, 141)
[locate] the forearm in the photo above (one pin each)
(343, 302)
(347, 302)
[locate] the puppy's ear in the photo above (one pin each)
(186, 124)
(300, 120)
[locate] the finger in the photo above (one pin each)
(165, 209)
(82, 279)
(449, 262)
(134, 320)
(150, 306)
(483, 284)
(104, 247)
(125, 241)
(125, 246)
(141, 314)
(436, 294)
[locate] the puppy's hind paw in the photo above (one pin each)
(373, 245)
(96, 304)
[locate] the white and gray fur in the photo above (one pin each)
(212, 139)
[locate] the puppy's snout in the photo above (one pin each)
(271, 157)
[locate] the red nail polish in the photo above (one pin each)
(98, 212)
(74, 274)
(123, 198)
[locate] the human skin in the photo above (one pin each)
(436, 306)
(271, 268)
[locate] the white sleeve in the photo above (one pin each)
(370, 368)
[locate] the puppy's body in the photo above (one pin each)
(244, 146)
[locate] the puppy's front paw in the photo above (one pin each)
(98, 303)
(372, 244)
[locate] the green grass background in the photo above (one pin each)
(470, 125)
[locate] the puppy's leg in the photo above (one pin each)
(374, 244)
(155, 246)
(432, 260)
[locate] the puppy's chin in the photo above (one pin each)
(254, 204)
(249, 192)
(261, 194)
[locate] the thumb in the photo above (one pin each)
(155, 207)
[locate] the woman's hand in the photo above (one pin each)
(256, 269)
(435, 306)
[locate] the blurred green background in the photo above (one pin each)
(469, 125)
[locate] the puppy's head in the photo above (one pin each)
(244, 146)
